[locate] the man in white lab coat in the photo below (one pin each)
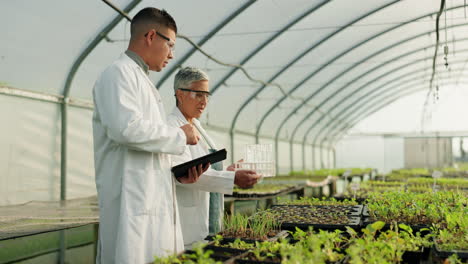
(132, 147)
(191, 87)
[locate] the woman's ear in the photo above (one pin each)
(178, 95)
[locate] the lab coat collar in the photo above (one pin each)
(138, 60)
(176, 111)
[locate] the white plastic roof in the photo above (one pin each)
(336, 61)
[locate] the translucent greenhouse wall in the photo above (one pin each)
(30, 152)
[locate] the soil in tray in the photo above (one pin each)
(310, 215)
(353, 222)
(250, 258)
(462, 254)
(246, 236)
(224, 253)
(338, 209)
(413, 256)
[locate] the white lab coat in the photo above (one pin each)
(193, 199)
(136, 190)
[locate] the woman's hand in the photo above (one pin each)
(232, 167)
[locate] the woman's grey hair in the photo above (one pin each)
(188, 75)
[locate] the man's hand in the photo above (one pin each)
(191, 134)
(194, 174)
(246, 178)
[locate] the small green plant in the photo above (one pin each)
(240, 244)
(200, 256)
(318, 201)
(217, 239)
(261, 225)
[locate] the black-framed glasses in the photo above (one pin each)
(169, 42)
(199, 95)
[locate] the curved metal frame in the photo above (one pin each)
(268, 41)
(375, 90)
(233, 123)
(339, 133)
(203, 41)
(335, 137)
(362, 86)
(360, 107)
(66, 92)
(354, 104)
(284, 121)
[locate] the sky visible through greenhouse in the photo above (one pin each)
(449, 113)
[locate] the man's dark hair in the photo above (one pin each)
(151, 15)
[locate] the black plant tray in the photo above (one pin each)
(232, 239)
(463, 254)
(355, 210)
(365, 211)
(252, 195)
(359, 200)
(354, 222)
(245, 261)
(413, 256)
(260, 194)
(219, 255)
(233, 251)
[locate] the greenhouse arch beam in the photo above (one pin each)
(356, 104)
(336, 135)
(276, 75)
(66, 92)
(220, 26)
(325, 65)
(374, 108)
(348, 84)
(343, 110)
(349, 95)
(362, 110)
(267, 42)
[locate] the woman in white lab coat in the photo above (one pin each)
(132, 147)
(191, 87)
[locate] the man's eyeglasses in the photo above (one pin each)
(169, 42)
(199, 95)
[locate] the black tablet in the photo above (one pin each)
(182, 169)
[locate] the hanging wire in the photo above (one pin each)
(427, 100)
(243, 70)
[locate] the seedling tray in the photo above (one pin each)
(354, 222)
(226, 240)
(463, 254)
(360, 200)
(413, 256)
(247, 261)
(221, 254)
(353, 210)
(260, 194)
